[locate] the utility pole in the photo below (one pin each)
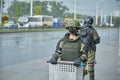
(75, 10)
(97, 14)
(97, 10)
(101, 16)
(31, 8)
(105, 17)
(111, 19)
(1, 12)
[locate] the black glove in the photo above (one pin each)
(53, 61)
(77, 62)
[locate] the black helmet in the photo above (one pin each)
(88, 21)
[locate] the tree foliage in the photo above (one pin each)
(52, 8)
(56, 9)
(19, 8)
(43, 5)
(37, 10)
(3, 4)
(117, 21)
(69, 15)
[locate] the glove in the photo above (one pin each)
(53, 61)
(77, 62)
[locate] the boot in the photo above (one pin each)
(85, 72)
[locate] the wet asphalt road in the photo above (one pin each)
(21, 47)
(23, 55)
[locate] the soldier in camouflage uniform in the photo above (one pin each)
(90, 38)
(70, 48)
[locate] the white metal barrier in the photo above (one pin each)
(65, 70)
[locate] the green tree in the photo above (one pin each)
(3, 4)
(78, 16)
(69, 15)
(37, 10)
(19, 8)
(117, 21)
(43, 5)
(58, 9)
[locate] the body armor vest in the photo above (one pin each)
(70, 50)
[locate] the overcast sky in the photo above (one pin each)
(86, 6)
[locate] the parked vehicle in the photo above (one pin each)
(112, 25)
(58, 22)
(11, 25)
(23, 22)
(40, 21)
(104, 24)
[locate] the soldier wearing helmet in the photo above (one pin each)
(89, 38)
(69, 48)
(88, 22)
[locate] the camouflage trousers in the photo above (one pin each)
(90, 64)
